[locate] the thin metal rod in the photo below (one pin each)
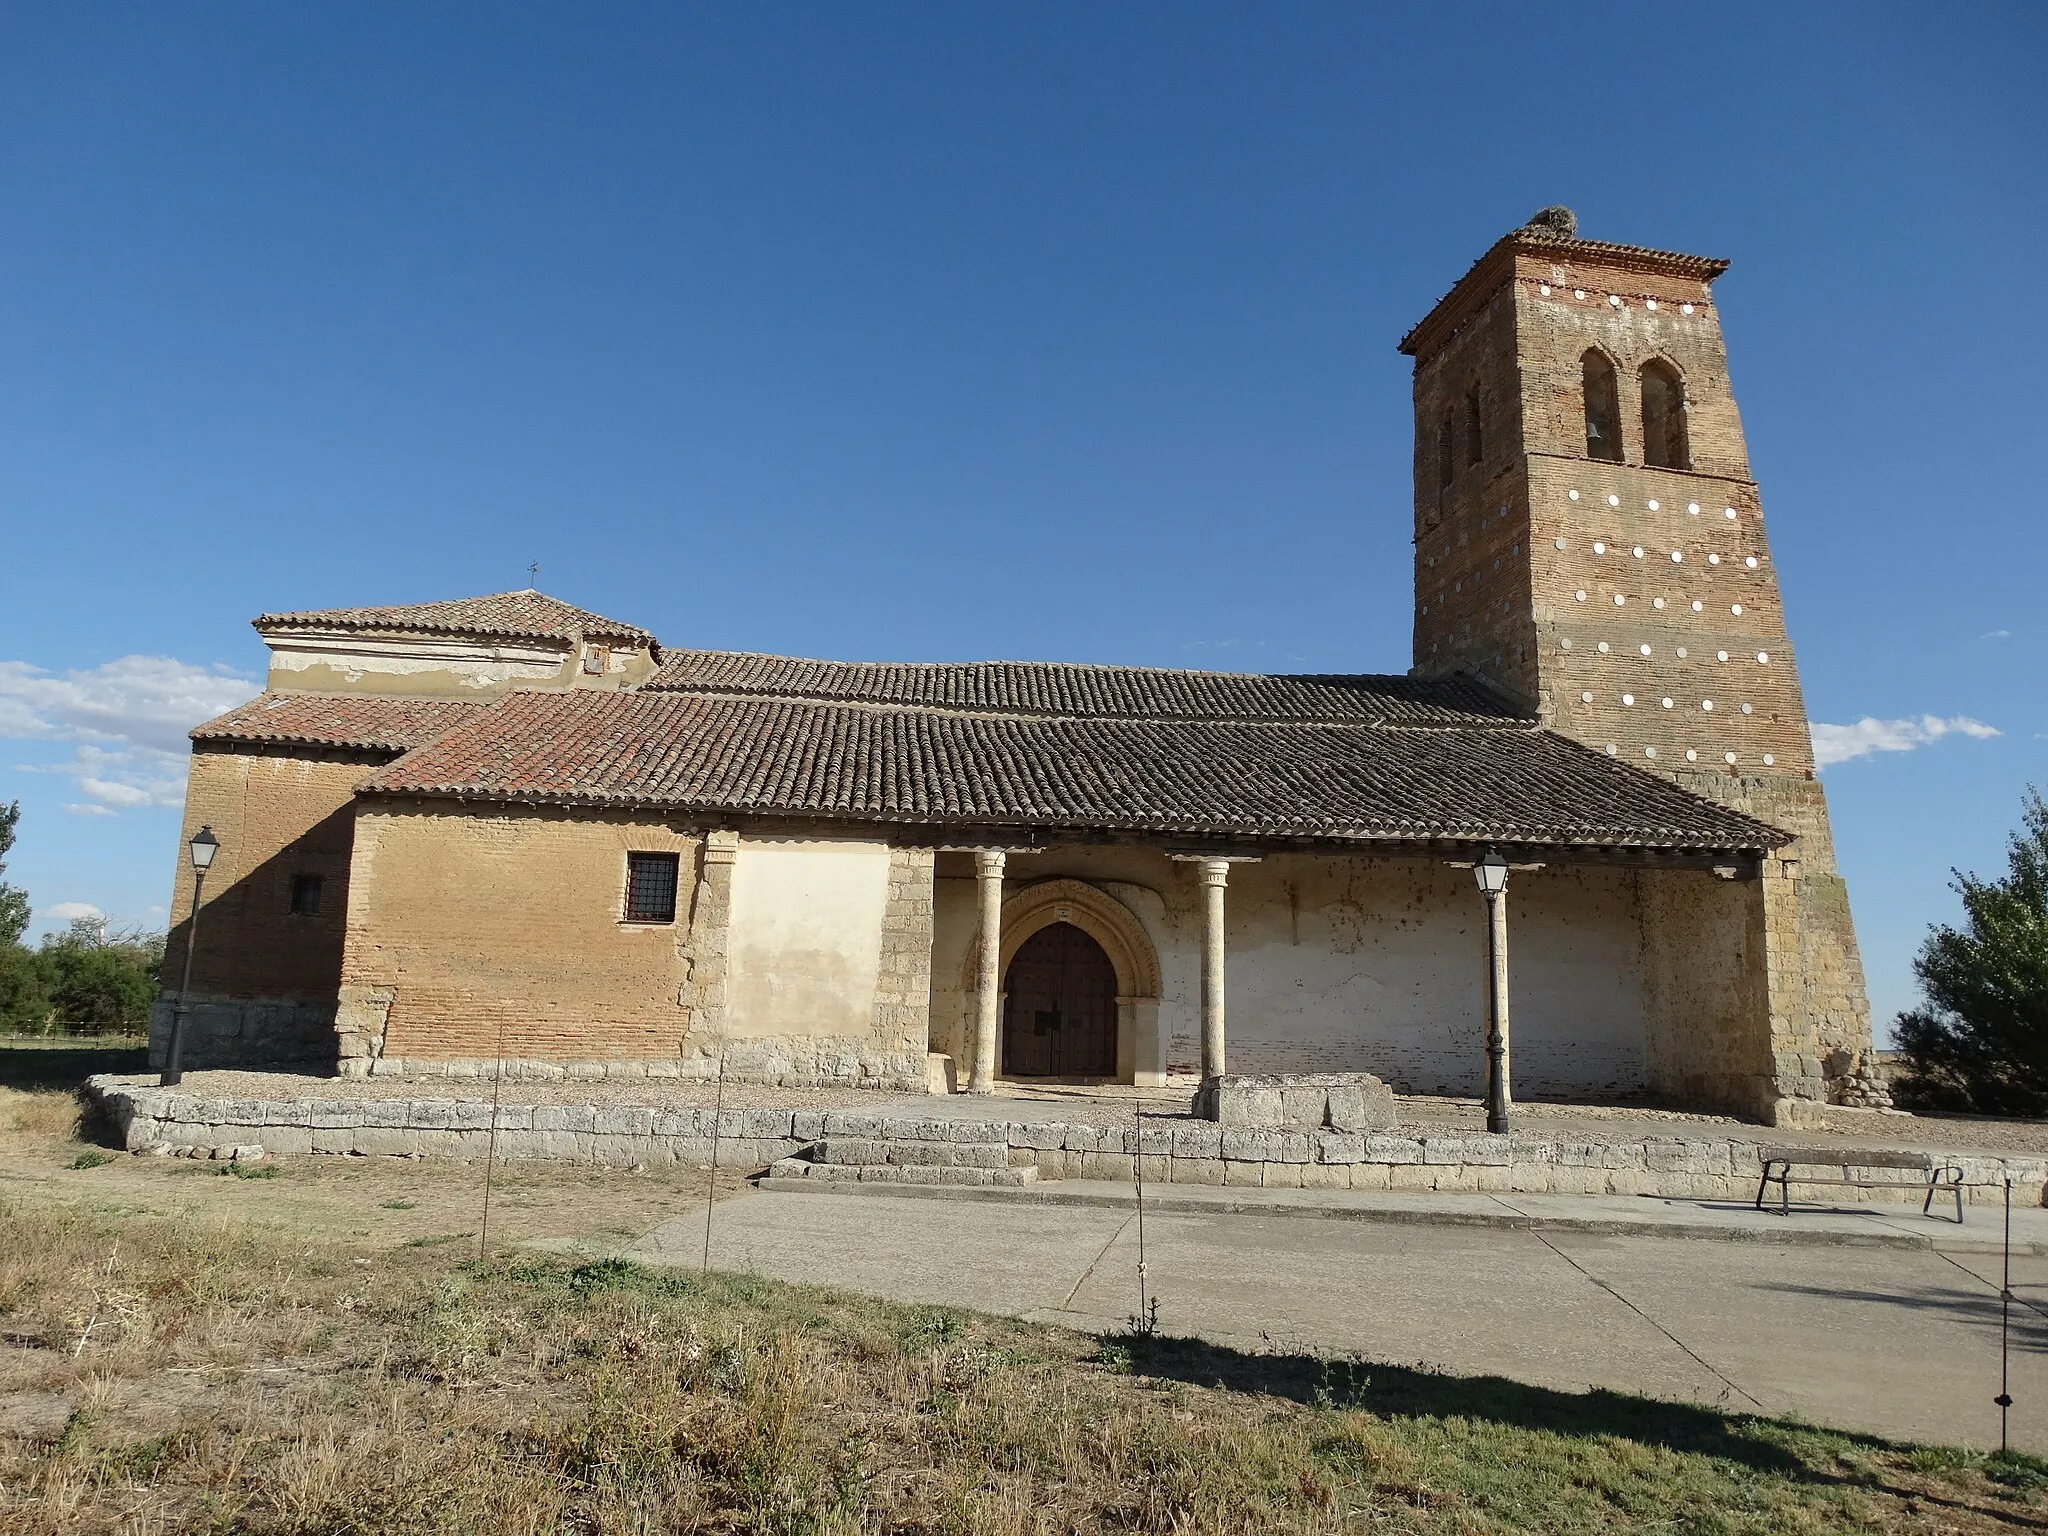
(1138, 1176)
(173, 1072)
(483, 1236)
(2004, 1398)
(711, 1191)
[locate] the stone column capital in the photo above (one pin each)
(990, 861)
(721, 847)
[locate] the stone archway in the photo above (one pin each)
(1139, 1058)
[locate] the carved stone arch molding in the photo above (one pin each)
(1096, 913)
(1140, 1047)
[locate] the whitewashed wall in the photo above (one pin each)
(806, 937)
(1342, 964)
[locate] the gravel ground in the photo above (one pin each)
(1115, 1106)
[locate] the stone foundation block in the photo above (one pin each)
(1239, 1175)
(1340, 1150)
(1198, 1170)
(1309, 1101)
(1326, 1176)
(1198, 1141)
(1284, 1175)
(288, 1140)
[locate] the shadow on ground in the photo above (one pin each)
(30, 1064)
(1409, 1392)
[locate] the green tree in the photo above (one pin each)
(24, 994)
(1981, 1039)
(13, 899)
(96, 987)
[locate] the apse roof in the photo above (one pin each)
(525, 614)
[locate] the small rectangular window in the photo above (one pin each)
(651, 887)
(305, 895)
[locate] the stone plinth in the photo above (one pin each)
(1303, 1101)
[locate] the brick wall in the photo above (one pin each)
(263, 976)
(1635, 607)
(468, 927)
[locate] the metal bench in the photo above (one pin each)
(1937, 1178)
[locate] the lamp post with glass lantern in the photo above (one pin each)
(203, 847)
(1491, 872)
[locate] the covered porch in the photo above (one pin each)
(1149, 964)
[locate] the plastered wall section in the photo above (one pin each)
(445, 666)
(264, 978)
(1338, 963)
(473, 930)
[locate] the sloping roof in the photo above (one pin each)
(339, 720)
(1049, 689)
(1539, 237)
(939, 767)
(518, 615)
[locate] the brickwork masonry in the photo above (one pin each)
(1186, 1152)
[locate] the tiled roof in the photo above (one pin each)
(1054, 689)
(878, 764)
(339, 720)
(518, 615)
(1542, 237)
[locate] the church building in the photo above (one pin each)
(507, 829)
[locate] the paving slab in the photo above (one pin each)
(1894, 1336)
(1878, 1226)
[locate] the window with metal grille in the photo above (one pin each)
(650, 887)
(305, 895)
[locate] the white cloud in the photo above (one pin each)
(1996, 634)
(71, 911)
(126, 718)
(1841, 743)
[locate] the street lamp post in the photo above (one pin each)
(203, 847)
(1492, 874)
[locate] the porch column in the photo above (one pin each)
(988, 880)
(1215, 872)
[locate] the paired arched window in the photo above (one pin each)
(1664, 444)
(1603, 406)
(1475, 434)
(1446, 438)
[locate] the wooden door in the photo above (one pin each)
(1059, 1017)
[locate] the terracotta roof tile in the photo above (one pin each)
(518, 615)
(1059, 689)
(339, 720)
(877, 764)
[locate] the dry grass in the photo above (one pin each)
(162, 1376)
(318, 1353)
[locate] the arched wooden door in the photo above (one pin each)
(1059, 1018)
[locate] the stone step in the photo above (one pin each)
(897, 1173)
(858, 1152)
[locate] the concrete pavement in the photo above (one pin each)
(1860, 1332)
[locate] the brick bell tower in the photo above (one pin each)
(1589, 540)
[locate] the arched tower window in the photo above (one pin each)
(1446, 436)
(1475, 433)
(1603, 406)
(1664, 443)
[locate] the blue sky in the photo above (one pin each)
(929, 332)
